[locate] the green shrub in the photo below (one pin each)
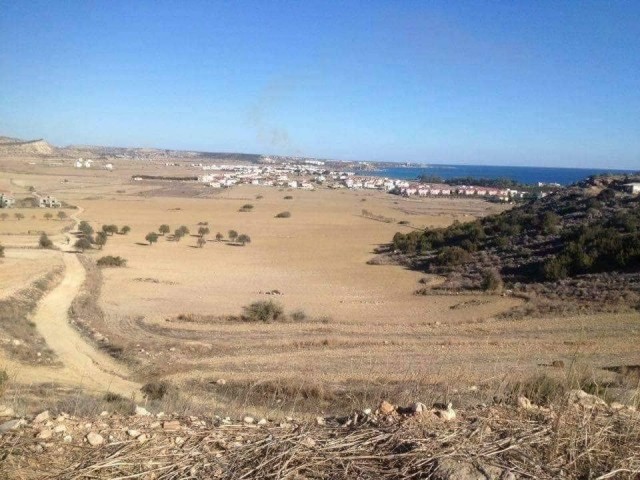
(111, 261)
(263, 311)
(450, 256)
(491, 281)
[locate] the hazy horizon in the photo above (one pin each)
(546, 84)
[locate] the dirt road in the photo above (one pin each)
(84, 365)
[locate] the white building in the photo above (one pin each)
(632, 188)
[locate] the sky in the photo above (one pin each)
(544, 83)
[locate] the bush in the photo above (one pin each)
(283, 215)
(246, 208)
(263, 311)
(111, 261)
(83, 244)
(298, 316)
(1, 251)
(450, 256)
(85, 228)
(45, 241)
(491, 281)
(152, 237)
(156, 390)
(288, 197)
(126, 229)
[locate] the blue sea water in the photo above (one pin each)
(526, 175)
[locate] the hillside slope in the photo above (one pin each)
(581, 243)
(12, 146)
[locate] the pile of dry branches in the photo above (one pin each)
(498, 442)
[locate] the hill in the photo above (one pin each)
(579, 247)
(13, 146)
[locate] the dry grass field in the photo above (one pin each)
(361, 327)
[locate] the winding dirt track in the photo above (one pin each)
(83, 365)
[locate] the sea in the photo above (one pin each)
(525, 175)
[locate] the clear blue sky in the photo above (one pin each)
(517, 82)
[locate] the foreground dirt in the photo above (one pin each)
(580, 437)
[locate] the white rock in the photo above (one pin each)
(262, 421)
(41, 417)
(367, 411)
(524, 403)
(179, 440)
(133, 433)
(320, 421)
(142, 412)
(94, 439)
(248, 419)
(59, 429)
(142, 438)
(67, 439)
(308, 442)
(45, 434)
(104, 413)
(221, 381)
(6, 411)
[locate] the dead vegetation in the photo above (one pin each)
(21, 340)
(572, 440)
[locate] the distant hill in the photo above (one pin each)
(16, 146)
(579, 248)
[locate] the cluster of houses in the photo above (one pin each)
(88, 163)
(48, 202)
(425, 190)
(291, 175)
(308, 175)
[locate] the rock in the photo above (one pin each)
(104, 413)
(451, 469)
(59, 429)
(154, 425)
(94, 439)
(44, 434)
(385, 408)
(616, 406)
(11, 425)
(585, 399)
(180, 440)
(171, 425)
(557, 364)
(524, 403)
(6, 411)
(418, 408)
(262, 421)
(133, 433)
(142, 412)
(142, 438)
(67, 439)
(366, 411)
(41, 417)
(447, 414)
(248, 419)
(308, 442)
(321, 421)
(221, 381)
(16, 342)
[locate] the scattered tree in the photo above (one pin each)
(126, 229)
(288, 197)
(233, 235)
(283, 215)
(83, 244)
(152, 237)
(85, 228)
(1, 251)
(219, 237)
(45, 241)
(184, 230)
(201, 242)
(4, 216)
(178, 234)
(61, 215)
(110, 229)
(202, 231)
(243, 239)
(19, 216)
(246, 207)
(164, 229)
(48, 216)
(101, 239)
